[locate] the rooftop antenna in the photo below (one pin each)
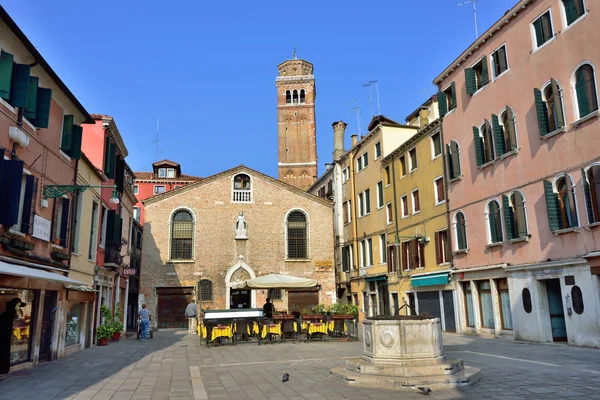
(426, 91)
(357, 111)
(156, 141)
(294, 53)
(474, 2)
(370, 84)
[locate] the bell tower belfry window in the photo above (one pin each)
(297, 135)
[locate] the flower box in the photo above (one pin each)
(312, 316)
(19, 244)
(283, 316)
(59, 255)
(343, 316)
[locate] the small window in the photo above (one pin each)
(382, 248)
(447, 99)
(477, 76)
(500, 61)
(159, 189)
(526, 300)
(574, 9)
(377, 150)
(205, 289)
(276, 293)
(347, 206)
(388, 213)
(453, 160)
(136, 213)
(413, 159)
(136, 189)
(402, 166)
(415, 201)
(577, 299)
(379, 194)
(288, 97)
(295, 97)
(460, 231)
(302, 96)
(345, 174)
(441, 247)
(364, 203)
(585, 90)
(404, 201)
(436, 145)
(170, 173)
(440, 194)
(542, 28)
(162, 172)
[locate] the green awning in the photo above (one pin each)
(430, 280)
(376, 278)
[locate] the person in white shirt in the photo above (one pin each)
(191, 312)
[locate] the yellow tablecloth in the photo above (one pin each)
(274, 329)
(221, 331)
(254, 329)
(20, 332)
(318, 327)
(202, 331)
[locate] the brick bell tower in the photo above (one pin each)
(297, 133)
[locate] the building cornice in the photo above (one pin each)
(109, 124)
(428, 129)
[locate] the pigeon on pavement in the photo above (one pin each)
(286, 377)
(424, 390)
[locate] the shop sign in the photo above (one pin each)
(129, 271)
(41, 228)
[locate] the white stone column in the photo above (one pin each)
(117, 293)
(476, 306)
(82, 324)
(126, 305)
(496, 308)
(37, 329)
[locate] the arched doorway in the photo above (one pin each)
(237, 299)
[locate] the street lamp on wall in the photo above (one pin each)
(55, 191)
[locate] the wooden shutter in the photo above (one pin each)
(453, 91)
(42, 113)
(589, 206)
(421, 247)
(460, 236)
(492, 224)
(552, 206)
(470, 81)
(478, 142)
(110, 226)
(449, 162)
(111, 156)
(511, 128)
(485, 79)
(542, 113)
(455, 160)
(539, 35)
(438, 249)
(67, 134)
(414, 245)
(570, 11)
(558, 109)
(583, 102)
(64, 222)
(498, 136)
(10, 194)
(76, 136)
(509, 218)
(29, 202)
(367, 201)
(442, 104)
(20, 85)
(32, 95)
(404, 257)
(501, 54)
(6, 69)
(345, 259)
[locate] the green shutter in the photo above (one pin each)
(111, 158)
(492, 222)
(470, 80)
(570, 11)
(460, 235)
(502, 60)
(20, 85)
(442, 104)
(6, 68)
(30, 109)
(539, 35)
(546, 27)
(42, 114)
(509, 218)
(498, 136)
(478, 142)
(582, 98)
(456, 160)
(552, 206)
(449, 162)
(511, 128)
(542, 112)
(453, 90)
(110, 226)
(558, 108)
(67, 134)
(484, 72)
(589, 206)
(77, 133)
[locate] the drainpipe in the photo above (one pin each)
(395, 205)
(445, 169)
(73, 212)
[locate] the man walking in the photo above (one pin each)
(145, 319)
(191, 313)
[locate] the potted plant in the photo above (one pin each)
(282, 315)
(117, 325)
(20, 242)
(104, 332)
(311, 313)
(344, 311)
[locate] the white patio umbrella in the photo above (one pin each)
(276, 281)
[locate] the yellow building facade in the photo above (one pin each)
(419, 256)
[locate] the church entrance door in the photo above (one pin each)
(240, 299)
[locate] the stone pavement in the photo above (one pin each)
(174, 365)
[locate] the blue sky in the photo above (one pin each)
(207, 69)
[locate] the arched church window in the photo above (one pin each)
(295, 97)
(288, 97)
(182, 235)
(297, 235)
(302, 95)
(242, 189)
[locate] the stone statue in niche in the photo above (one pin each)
(240, 227)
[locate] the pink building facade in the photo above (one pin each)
(521, 128)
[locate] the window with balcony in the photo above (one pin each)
(242, 189)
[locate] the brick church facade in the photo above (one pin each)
(240, 224)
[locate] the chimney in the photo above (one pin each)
(339, 129)
(423, 117)
(354, 139)
(327, 166)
